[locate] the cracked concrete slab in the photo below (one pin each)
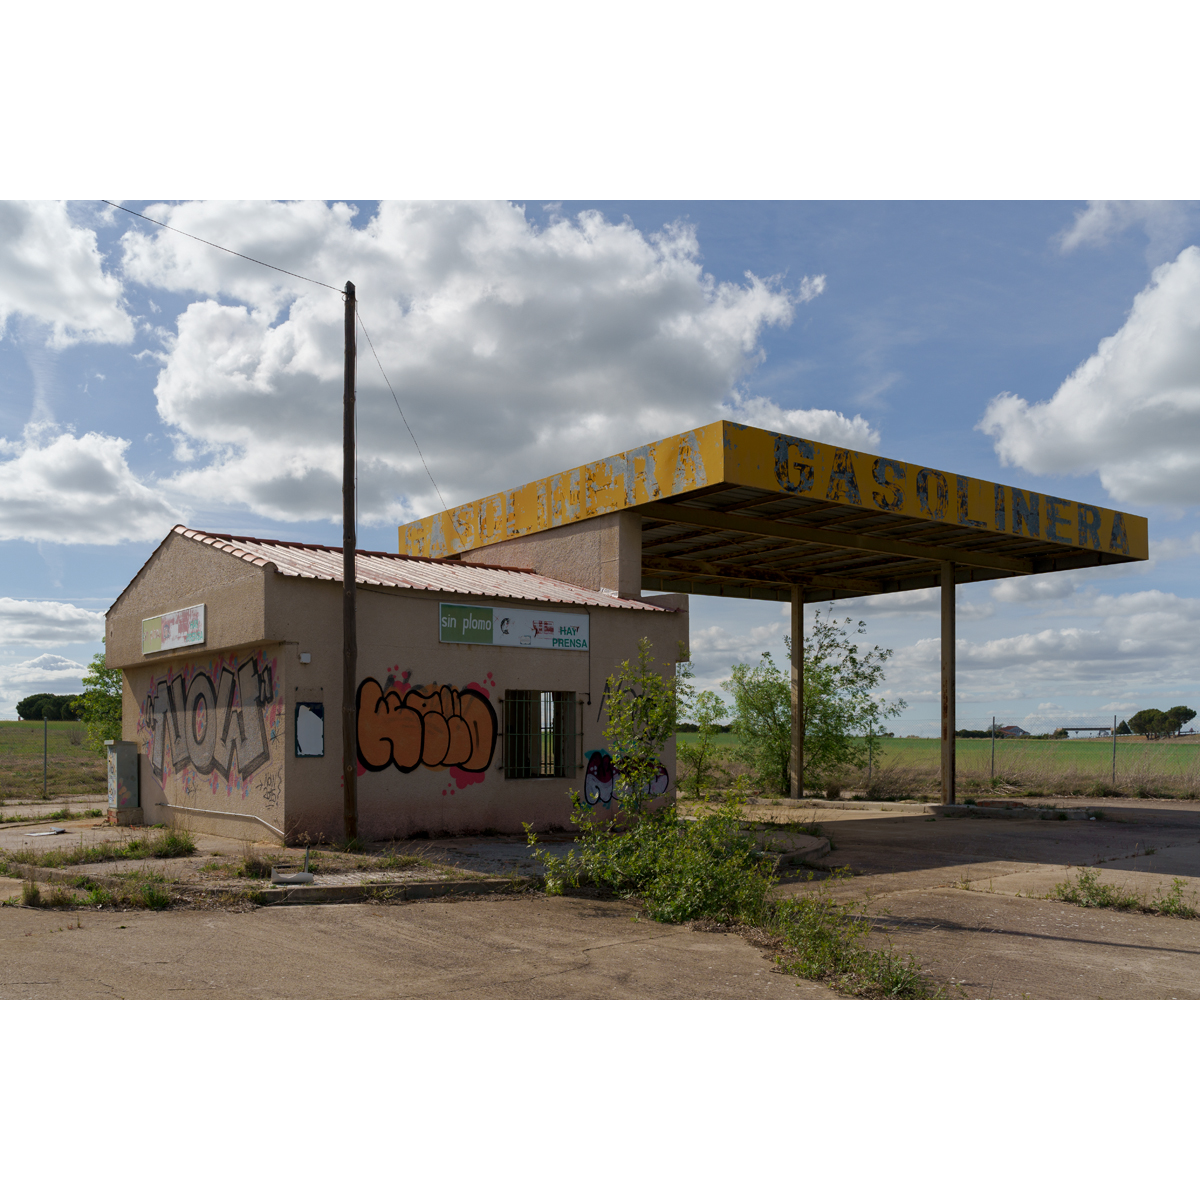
(527, 947)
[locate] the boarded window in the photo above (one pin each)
(539, 735)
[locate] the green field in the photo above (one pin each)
(1066, 766)
(72, 769)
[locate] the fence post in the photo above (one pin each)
(1114, 750)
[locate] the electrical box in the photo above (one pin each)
(124, 803)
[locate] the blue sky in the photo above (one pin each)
(145, 379)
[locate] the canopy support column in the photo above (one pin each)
(797, 760)
(948, 715)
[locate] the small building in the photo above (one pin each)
(1012, 731)
(480, 698)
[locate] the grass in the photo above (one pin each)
(62, 814)
(1087, 891)
(1025, 768)
(168, 843)
(826, 939)
(708, 869)
(71, 768)
(143, 888)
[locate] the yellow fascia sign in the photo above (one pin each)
(743, 456)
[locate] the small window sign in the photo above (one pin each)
(310, 729)
(183, 627)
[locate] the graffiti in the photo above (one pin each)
(602, 774)
(271, 787)
(432, 727)
(224, 726)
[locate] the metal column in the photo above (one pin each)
(797, 761)
(948, 683)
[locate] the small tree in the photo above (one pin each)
(1123, 728)
(841, 716)
(641, 720)
(100, 704)
(707, 712)
(1148, 721)
(1178, 717)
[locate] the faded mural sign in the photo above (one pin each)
(406, 726)
(744, 456)
(217, 719)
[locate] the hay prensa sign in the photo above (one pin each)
(480, 626)
(174, 630)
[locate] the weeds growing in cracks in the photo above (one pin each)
(1087, 891)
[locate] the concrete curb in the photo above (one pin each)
(353, 893)
(1012, 814)
(305, 893)
(892, 806)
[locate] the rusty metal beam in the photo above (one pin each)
(679, 514)
(948, 674)
(704, 569)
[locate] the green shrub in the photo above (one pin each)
(682, 870)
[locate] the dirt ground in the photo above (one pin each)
(965, 895)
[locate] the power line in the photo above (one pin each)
(227, 250)
(305, 278)
(401, 411)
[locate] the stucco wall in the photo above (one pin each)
(181, 573)
(399, 650)
(212, 734)
(602, 552)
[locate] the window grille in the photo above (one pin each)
(539, 735)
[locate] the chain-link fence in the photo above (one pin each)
(1044, 754)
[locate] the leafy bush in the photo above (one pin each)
(682, 870)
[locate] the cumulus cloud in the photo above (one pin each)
(820, 424)
(1034, 589)
(1127, 651)
(514, 350)
(52, 271)
(47, 623)
(46, 673)
(1131, 411)
(57, 487)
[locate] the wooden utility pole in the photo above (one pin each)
(349, 624)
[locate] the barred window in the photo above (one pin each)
(539, 735)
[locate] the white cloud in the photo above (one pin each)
(820, 424)
(48, 623)
(52, 271)
(46, 673)
(1167, 225)
(507, 344)
(1131, 411)
(57, 487)
(1034, 589)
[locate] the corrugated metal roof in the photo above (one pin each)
(380, 569)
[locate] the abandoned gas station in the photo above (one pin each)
(485, 643)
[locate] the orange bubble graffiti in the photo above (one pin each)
(441, 727)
